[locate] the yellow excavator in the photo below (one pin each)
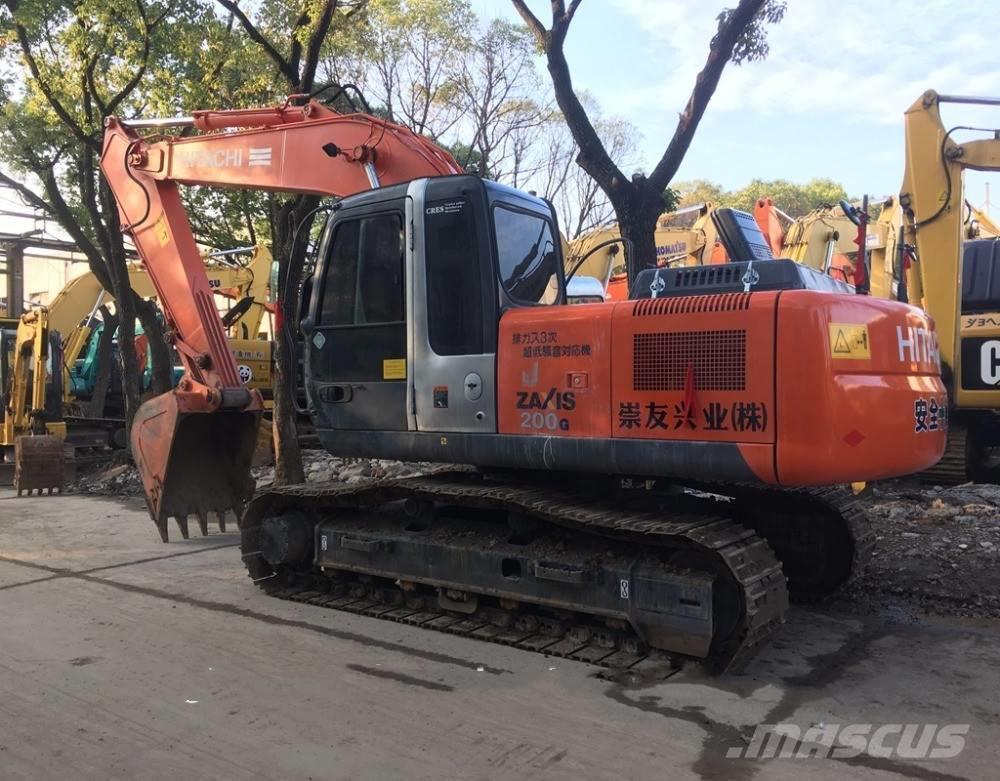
(600, 254)
(73, 310)
(826, 239)
(31, 435)
(979, 225)
(823, 239)
(955, 279)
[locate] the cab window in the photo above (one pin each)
(454, 284)
(364, 277)
(527, 255)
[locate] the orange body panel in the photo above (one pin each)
(718, 255)
(763, 372)
(555, 370)
(844, 417)
(618, 288)
(659, 342)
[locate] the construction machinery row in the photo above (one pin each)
(655, 474)
(52, 360)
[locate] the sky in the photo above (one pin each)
(827, 102)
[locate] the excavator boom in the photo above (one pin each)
(193, 446)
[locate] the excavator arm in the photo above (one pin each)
(193, 446)
(932, 198)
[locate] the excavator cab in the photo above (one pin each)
(401, 329)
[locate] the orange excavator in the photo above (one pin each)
(648, 476)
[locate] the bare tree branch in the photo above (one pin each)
(638, 202)
(27, 194)
(315, 44)
(592, 155)
(533, 22)
(719, 54)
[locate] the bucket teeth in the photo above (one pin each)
(161, 527)
(202, 518)
(39, 462)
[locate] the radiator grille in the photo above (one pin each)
(661, 360)
(718, 302)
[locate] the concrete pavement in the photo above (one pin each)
(121, 657)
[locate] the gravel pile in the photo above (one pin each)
(938, 549)
(119, 480)
(321, 467)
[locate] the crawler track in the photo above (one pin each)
(698, 538)
(821, 535)
(953, 468)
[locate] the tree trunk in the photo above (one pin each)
(98, 396)
(125, 306)
(639, 227)
(162, 361)
(292, 214)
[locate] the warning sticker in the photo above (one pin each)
(394, 369)
(848, 340)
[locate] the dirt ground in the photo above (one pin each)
(937, 551)
(124, 658)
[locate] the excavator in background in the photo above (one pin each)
(979, 225)
(955, 279)
(73, 314)
(823, 239)
(826, 239)
(32, 434)
(435, 328)
(600, 253)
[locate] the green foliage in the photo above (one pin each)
(109, 57)
(671, 199)
(752, 44)
(698, 191)
(792, 198)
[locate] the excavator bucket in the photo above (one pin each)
(39, 463)
(193, 463)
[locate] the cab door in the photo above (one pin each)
(453, 307)
(356, 345)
